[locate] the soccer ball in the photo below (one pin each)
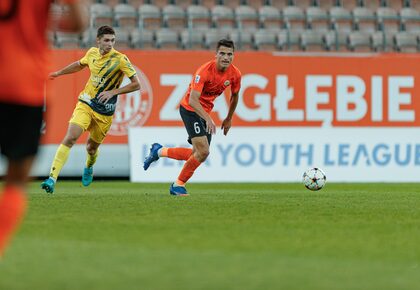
(314, 179)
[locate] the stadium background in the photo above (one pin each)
(323, 67)
(349, 92)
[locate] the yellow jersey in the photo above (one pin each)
(106, 73)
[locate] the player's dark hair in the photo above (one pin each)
(105, 30)
(226, 43)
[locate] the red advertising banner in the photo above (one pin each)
(349, 90)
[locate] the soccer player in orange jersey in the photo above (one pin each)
(23, 70)
(209, 82)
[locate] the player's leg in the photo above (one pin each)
(92, 149)
(178, 153)
(13, 199)
(19, 143)
(201, 151)
(200, 140)
(61, 155)
(98, 130)
(78, 123)
(157, 151)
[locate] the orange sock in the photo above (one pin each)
(177, 153)
(12, 209)
(188, 170)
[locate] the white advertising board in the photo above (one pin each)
(267, 154)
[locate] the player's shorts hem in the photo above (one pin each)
(193, 122)
(20, 131)
(96, 141)
(78, 124)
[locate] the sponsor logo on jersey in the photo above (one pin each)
(197, 79)
(97, 80)
(226, 83)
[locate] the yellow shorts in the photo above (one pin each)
(97, 124)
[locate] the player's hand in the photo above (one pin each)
(227, 123)
(104, 97)
(53, 75)
(210, 126)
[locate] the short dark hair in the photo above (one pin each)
(225, 42)
(105, 30)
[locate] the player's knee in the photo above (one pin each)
(91, 150)
(69, 140)
(203, 154)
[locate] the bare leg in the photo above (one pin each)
(92, 154)
(18, 172)
(201, 148)
(73, 133)
(92, 147)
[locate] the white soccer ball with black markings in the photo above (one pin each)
(314, 179)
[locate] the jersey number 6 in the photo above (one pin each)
(197, 128)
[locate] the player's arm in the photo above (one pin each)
(75, 19)
(71, 68)
(134, 85)
(227, 122)
(194, 102)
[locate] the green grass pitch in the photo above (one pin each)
(119, 235)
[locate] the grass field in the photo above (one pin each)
(118, 235)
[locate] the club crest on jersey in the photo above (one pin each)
(226, 83)
(197, 79)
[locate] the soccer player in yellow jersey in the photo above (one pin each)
(96, 104)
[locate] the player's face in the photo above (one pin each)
(224, 57)
(106, 43)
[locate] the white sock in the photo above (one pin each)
(160, 152)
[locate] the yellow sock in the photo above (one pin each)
(91, 159)
(59, 160)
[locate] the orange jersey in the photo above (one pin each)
(23, 51)
(211, 83)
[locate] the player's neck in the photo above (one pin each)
(221, 69)
(103, 53)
